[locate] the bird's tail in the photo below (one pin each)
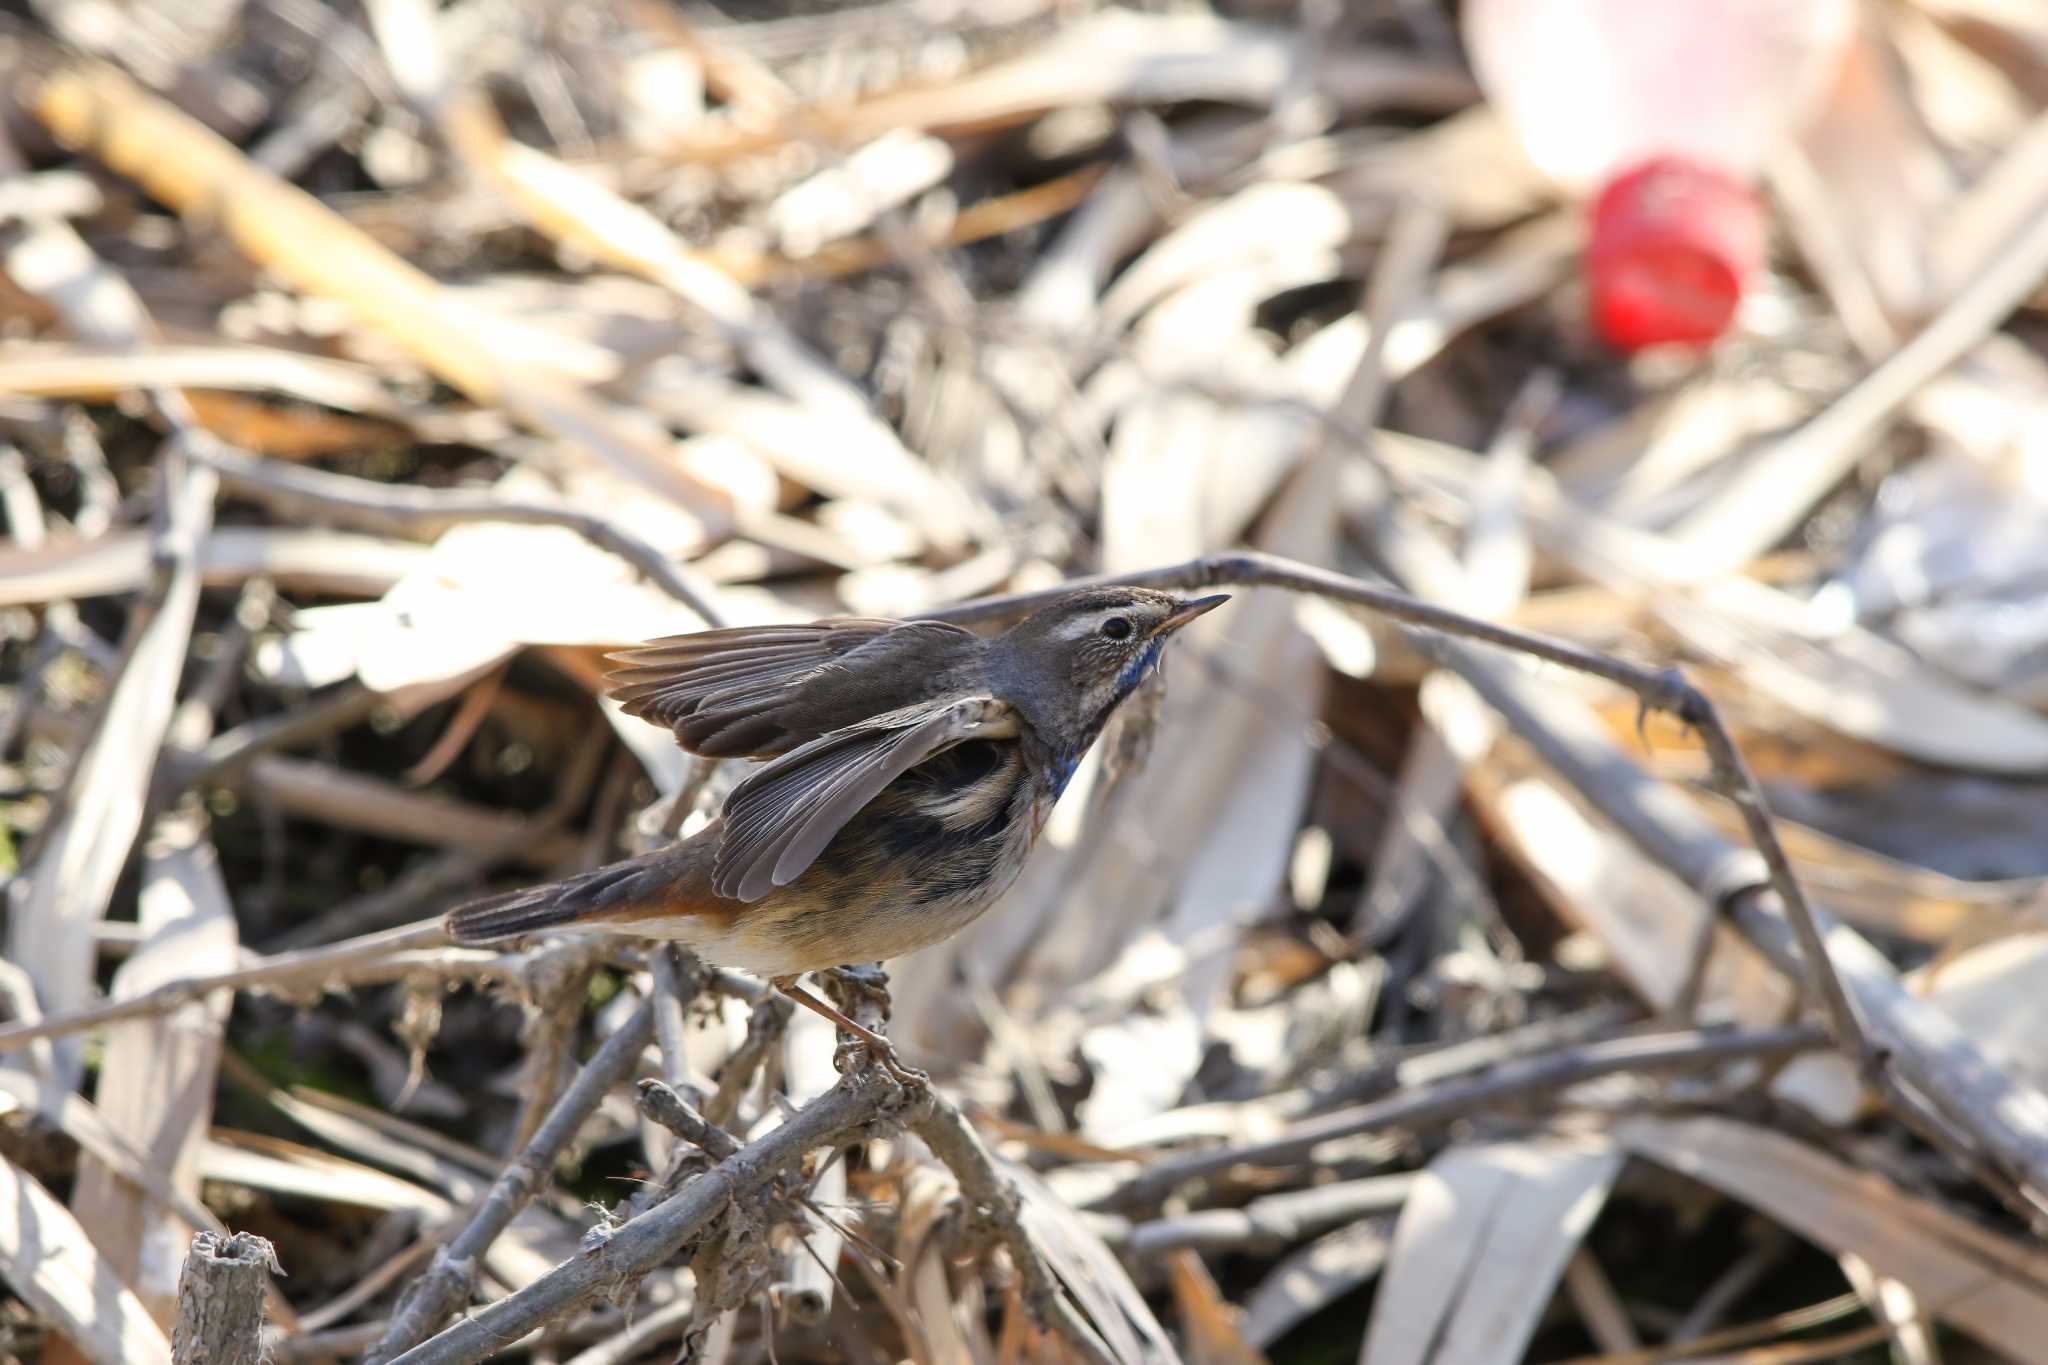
(496, 918)
(607, 898)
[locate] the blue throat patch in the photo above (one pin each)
(1135, 671)
(1064, 764)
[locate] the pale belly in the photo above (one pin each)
(858, 931)
(865, 933)
(865, 901)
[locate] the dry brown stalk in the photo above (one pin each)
(400, 510)
(1511, 1082)
(220, 1300)
(976, 222)
(387, 956)
(180, 162)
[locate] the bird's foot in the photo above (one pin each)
(884, 1053)
(851, 985)
(871, 984)
(879, 1047)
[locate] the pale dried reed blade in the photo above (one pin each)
(333, 796)
(1884, 180)
(1314, 1276)
(1843, 676)
(847, 197)
(1649, 926)
(1997, 992)
(1126, 57)
(1236, 788)
(1856, 681)
(157, 1078)
(280, 1167)
(322, 562)
(282, 227)
(1631, 466)
(1289, 222)
(2005, 1111)
(1091, 1273)
(1781, 483)
(82, 854)
(535, 1240)
(1893, 895)
(47, 1258)
(1988, 1285)
(929, 1194)
(71, 372)
(1991, 212)
(487, 587)
(77, 1118)
(1481, 1246)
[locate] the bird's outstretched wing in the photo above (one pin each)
(757, 691)
(781, 818)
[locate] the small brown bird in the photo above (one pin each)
(910, 767)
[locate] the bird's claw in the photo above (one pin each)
(882, 1053)
(868, 981)
(909, 1077)
(853, 1031)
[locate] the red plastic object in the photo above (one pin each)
(1674, 244)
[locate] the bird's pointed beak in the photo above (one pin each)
(1189, 611)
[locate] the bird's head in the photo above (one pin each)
(1068, 665)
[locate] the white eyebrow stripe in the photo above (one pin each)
(1084, 625)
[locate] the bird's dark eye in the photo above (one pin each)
(1117, 628)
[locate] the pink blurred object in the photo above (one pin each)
(1663, 111)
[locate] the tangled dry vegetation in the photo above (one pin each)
(1416, 995)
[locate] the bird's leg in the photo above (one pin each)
(880, 1048)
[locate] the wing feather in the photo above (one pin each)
(758, 691)
(781, 818)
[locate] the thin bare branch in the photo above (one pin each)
(650, 1240)
(1511, 1082)
(401, 510)
(387, 956)
(2005, 1118)
(447, 1284)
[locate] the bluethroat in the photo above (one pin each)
(909, 767)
